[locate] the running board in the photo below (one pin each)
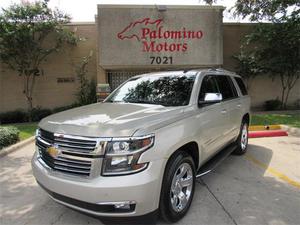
(215, 161)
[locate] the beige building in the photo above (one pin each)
(128, 40)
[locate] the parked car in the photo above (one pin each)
(139, 152)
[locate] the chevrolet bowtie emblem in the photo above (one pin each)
(53, 151)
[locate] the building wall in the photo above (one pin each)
(49, 94)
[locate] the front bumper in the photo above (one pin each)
(141, 190)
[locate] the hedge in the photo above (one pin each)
(8, 136)
(38, 113)
(16, 116)
(273, 104)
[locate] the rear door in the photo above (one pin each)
(232, 106)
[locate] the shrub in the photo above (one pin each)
(39, 113)
(297, 104)
(86, 93)
(272, 104)
(64, 108)
(8, 136)
(16, 116)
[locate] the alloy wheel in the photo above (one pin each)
(181, 187)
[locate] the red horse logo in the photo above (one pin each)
(134, 28)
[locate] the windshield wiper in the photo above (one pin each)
(139, 101)
(147, 102)
(111, 101)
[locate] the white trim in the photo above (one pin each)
(151, 6)
(81, 23)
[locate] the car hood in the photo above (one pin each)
(111, 119)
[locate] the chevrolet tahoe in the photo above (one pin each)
(140, 151)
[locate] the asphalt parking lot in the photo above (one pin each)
(262, 187)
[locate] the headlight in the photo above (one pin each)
(37, 132)
(122, 155)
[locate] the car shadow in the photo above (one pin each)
(237, 192)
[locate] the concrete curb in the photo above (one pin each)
(291, 130)
(16, 146)
(267, 133)
(264, 127)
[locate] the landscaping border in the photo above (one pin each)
(15, 147)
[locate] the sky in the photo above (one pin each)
(85, 10)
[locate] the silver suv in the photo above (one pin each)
(141, 150)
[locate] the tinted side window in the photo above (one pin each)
(208, 85)
(241, 85)
(226, 87)
(233, 87)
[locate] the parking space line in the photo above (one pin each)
(273, 171)
(218, 201)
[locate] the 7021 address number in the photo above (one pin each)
(161, 60)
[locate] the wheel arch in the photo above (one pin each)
(192, 149)
(246, 118)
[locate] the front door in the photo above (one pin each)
(212, 119)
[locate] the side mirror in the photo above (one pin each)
(211, 98)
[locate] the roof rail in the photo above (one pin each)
(185, 70)
(222, 70)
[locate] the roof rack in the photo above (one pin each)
(185, 70)
(222, 70)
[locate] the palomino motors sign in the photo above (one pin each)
(142, 36)
(153, 36)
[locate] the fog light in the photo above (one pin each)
(118, 207)
(122, 206)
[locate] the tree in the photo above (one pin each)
(86, 93)
(29, 33)
(248, 66)
(210, 2)
(276, 44)
(265, 10)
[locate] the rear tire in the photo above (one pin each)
(178, 187)
(242, 141)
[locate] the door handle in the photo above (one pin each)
(224, 111)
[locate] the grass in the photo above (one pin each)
(272, 119)
(26, 129)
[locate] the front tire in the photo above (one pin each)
(242, 141)
(178, 187)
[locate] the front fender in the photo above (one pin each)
(168, 140)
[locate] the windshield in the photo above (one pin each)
(167, 90)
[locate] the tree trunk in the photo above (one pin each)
(29, 81)
(30, 107)
(286, 99)
(292, 80)
(283, 88)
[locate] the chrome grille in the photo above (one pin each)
(76, 153)
(66, 142)
(63, 163)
